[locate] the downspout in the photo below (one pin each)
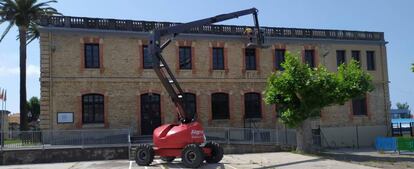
(51, 51)
(385, 85)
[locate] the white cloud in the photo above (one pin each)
(31, 71)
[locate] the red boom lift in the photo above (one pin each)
(186, 139)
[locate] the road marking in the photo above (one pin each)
(177, 165)
(130, 164)
(230, 166)
(161, 164)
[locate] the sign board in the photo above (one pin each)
(64, 117)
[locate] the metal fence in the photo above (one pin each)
(48, 139)
(251, 136)
(64, 138)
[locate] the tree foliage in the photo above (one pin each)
(33, 105)
(412, 67)
(403, 106)
(301, 92)
(26, 15)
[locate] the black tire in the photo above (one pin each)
(192, 156)
(144, 155)
(216, 152)
(167, 159)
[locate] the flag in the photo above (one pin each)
(1, 94)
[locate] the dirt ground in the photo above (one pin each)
(370, 157)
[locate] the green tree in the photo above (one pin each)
(404, 106)
(25, 14)
(33, 106)
(302, 92)
(412, 67)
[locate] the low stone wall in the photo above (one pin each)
(257, 148)
(10, 157)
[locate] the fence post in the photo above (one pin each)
(43, 140)
(357, 136)
(286, 136)
(81, 138)
(129, 144)
(252, 135)
(277, 136)
(228, 135)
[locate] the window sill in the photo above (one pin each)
(93, 125)
(253, 119)
(360, 115)
(220, 120)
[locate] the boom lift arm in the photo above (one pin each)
(161, 68)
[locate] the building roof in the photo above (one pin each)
(146, 26)
(400, 111)
(4, 111)
(14, 118)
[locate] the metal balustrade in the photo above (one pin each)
(146, 26)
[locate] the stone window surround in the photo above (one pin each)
(93, 40)
(351, 113)
(185, 43)
(315, 54)
(218, 44)
(262, 104)
(78, 114)
(210, 113)
(257, 52)
(278, 46)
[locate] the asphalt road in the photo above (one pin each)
(240, 161)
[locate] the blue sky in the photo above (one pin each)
(395, 18)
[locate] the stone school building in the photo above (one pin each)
(96, 74)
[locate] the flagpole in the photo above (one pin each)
(2, 119)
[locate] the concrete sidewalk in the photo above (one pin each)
(240, 161)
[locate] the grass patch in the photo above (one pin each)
(13, 141)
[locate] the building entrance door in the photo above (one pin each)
(150, 113)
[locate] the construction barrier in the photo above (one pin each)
(394, 144)
(386, 144)
(405, 144)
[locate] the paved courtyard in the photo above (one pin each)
(264, 160)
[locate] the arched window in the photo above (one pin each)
(252, 105)
(190, 104)
(220, 105)
(93, 108)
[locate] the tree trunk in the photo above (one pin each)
(23, 99)
(304, 137)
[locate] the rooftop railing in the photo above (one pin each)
(146, 26)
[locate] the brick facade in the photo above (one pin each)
(122, 79)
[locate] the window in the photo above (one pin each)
(91, 55)
(147, 60)
(185, 57)
(310, 58)
(340, 57)
(92, 108)
(359, 106)
(370, 60)
(220, 105)
(190, 104)
(250, 60)
(218, 59)
(252, 105)
(279, 59)
(356, 56)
